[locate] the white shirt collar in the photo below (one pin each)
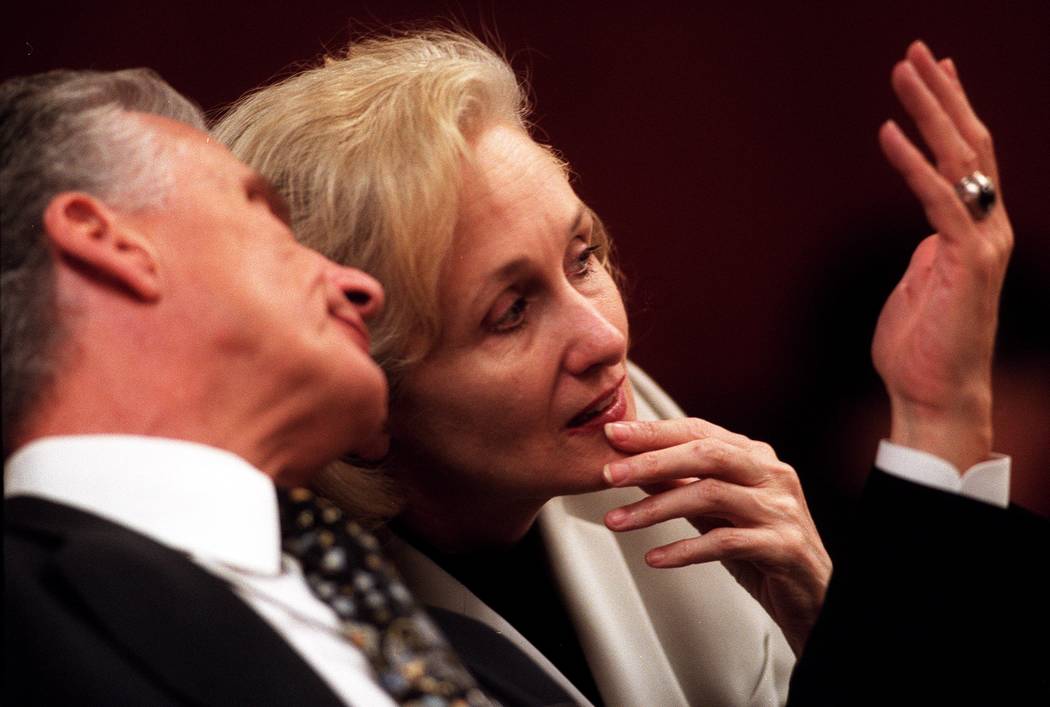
(191, 497)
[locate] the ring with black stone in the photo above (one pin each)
(978, 194)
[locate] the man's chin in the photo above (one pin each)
(369, 453)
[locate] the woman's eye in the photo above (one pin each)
(512, 318)
(585, 261)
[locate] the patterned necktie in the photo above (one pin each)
(344, 567)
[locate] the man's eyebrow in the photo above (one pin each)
(278, 204)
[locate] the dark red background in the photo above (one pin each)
(731, 149)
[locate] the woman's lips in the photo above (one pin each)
(614, 411)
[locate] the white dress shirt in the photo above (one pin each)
(216, 508)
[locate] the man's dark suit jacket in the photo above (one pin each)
(96, 614)
(940, 600)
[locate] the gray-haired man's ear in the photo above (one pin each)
(90, 237)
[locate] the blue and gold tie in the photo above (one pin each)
(345, 568)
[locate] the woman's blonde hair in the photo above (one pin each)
(368, 148)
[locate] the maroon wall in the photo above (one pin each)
(732, 152)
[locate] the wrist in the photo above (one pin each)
(962, 436)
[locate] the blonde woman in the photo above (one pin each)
(512, 399)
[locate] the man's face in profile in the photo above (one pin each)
(272, 314)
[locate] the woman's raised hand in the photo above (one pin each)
(747, 504)
(934, 340)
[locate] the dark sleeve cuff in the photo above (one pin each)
(930, 603)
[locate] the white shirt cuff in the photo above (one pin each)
(987, 481)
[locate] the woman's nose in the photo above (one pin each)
(362, 290)
(596, 341)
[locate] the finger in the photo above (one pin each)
(707, 497)
(702, 457)
(703, 524)
(952, 98)
(645, 435)
(661, 486)
(944, 210)
(948, 67)
(727, 543)
(954, 155)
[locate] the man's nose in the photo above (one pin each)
(362, 290)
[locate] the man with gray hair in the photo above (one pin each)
(170, 355)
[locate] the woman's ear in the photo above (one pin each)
(89, 235)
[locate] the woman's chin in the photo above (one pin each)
(586, 475)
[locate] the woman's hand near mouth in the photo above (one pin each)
(747, 504)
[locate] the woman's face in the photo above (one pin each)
(531, 361)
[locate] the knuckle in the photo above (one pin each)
(717, 452)
(700, 448)
(732, 541)
(955, 167)
(765, 449)
(649, 462)
(645, 513)
(710, 490)
(795, 544)
(983, 137)
(1008, 246)
(645, 431)
(677, 554)
(969, 159)
(694, 427)
(783, 472)
(785, 505)
(988, 256)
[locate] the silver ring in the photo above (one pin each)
(978, 194)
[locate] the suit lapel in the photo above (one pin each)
(174, 620)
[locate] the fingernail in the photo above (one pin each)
(616, 517)
(654, 557)
(617, 431)
(615, 472)
(950, 66)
